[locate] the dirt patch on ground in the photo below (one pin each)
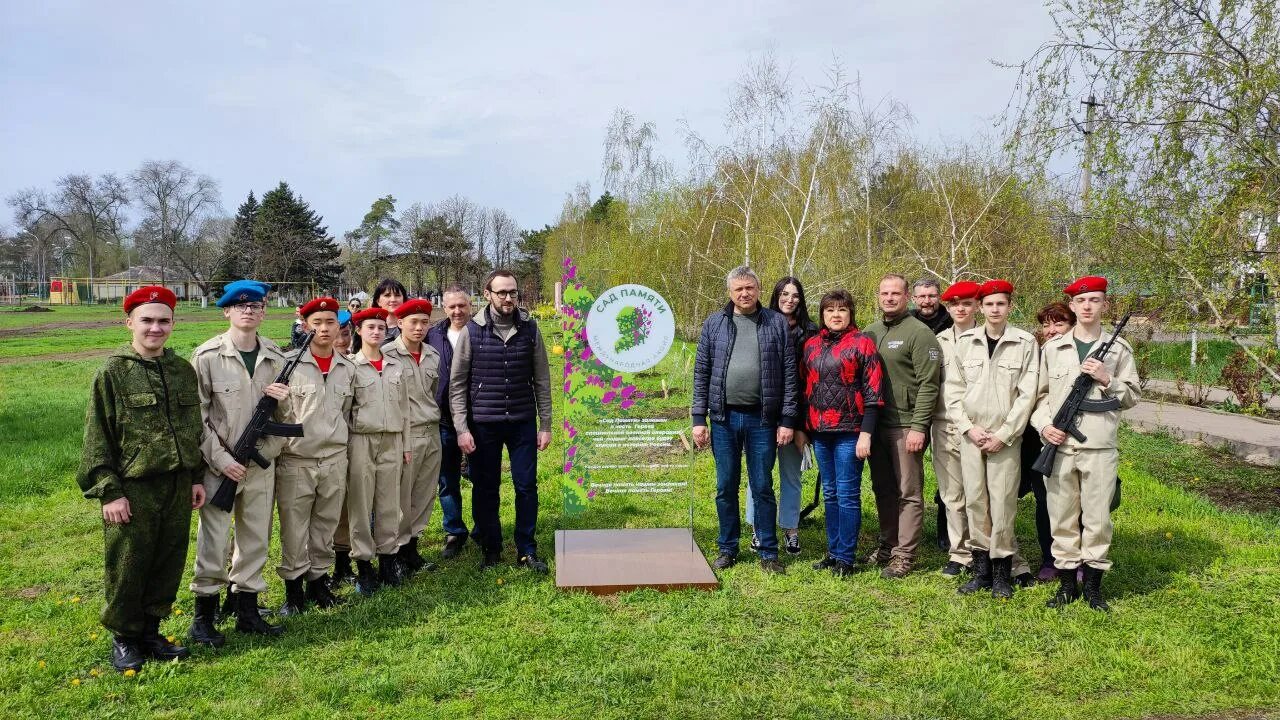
(1225, 715)
(36, 308)
(55, 357)
(49, 327)
(1257, 500)
(33, 592)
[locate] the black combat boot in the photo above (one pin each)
(250, 620)
(341, 568)
(1001, 587)
(127, 654)
(228, 609)
(319, 593)
(295, 598)
(203, 626)
(158, 646)
(1093, 589)
(366, 578)
(1068, 590)
(411, 561)
(389, 572)
(981, 579)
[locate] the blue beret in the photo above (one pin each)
(344, 317)
(242, 291)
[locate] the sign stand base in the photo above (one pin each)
(604, 562)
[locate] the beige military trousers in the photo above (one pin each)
(944, 445)
(309, 495)
(373, 486)
(991, 499)
(419, 482)
(248, 548)
(1080, 490)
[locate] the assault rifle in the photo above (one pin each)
(1077, 402)
(246, 448)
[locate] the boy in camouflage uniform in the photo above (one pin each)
(142, 461)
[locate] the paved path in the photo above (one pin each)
(1212, 395)
(1251, 439)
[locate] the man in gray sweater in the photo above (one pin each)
(500, 394)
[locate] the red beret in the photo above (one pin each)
(1088, 283)
(373, 313)
(991, 287)
(320, 304)
(414, 307)
(963, 290)
(150, 294)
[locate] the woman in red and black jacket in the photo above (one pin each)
(841, 377)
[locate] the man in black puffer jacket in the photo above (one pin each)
(744, 380)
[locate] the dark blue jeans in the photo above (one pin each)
(521, 440)
(745, 432)
(841, 472)
(450, 483)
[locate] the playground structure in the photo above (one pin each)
(62, 290)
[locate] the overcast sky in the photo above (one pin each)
(505, 103)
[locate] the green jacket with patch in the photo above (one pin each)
(912, 364)
(143, 421)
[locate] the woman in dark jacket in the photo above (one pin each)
(841, 377)
(788, 299)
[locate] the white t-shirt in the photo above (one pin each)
(454, 335)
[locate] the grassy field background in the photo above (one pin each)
(1195, 628)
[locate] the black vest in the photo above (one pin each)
(501, 384)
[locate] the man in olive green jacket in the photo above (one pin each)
(142, 461)
(912, 362)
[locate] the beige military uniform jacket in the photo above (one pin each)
(1059, 367)
(322, 405)
(422, 381)
(996, 392)
(228, 396)
(380, 400)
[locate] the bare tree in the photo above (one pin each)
(177, 201)
(91, 212)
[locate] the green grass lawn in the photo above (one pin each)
(1195, 627)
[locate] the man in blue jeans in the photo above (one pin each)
(500, 393)
(744, 380)
(443, 336)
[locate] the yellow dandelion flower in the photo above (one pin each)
(1168, 536)
(93, 636)
(94, 673)
(177, 611)
(75, 682)
(42, 665)
(75, 600)
(499, 581)
(130, 672)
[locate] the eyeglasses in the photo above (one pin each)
(249, 308)
(504, 293)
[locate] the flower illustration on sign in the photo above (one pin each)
(634, 325)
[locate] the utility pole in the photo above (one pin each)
(1086, 165)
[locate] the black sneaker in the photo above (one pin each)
(826, 563)
(842, 569)
(791, 542)
(724, 561)
(453, 545)
(491, 559)
(532, 562)
(1025, 580)
(952, 569)
(772, 566)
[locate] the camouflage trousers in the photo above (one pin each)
(145, 556)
